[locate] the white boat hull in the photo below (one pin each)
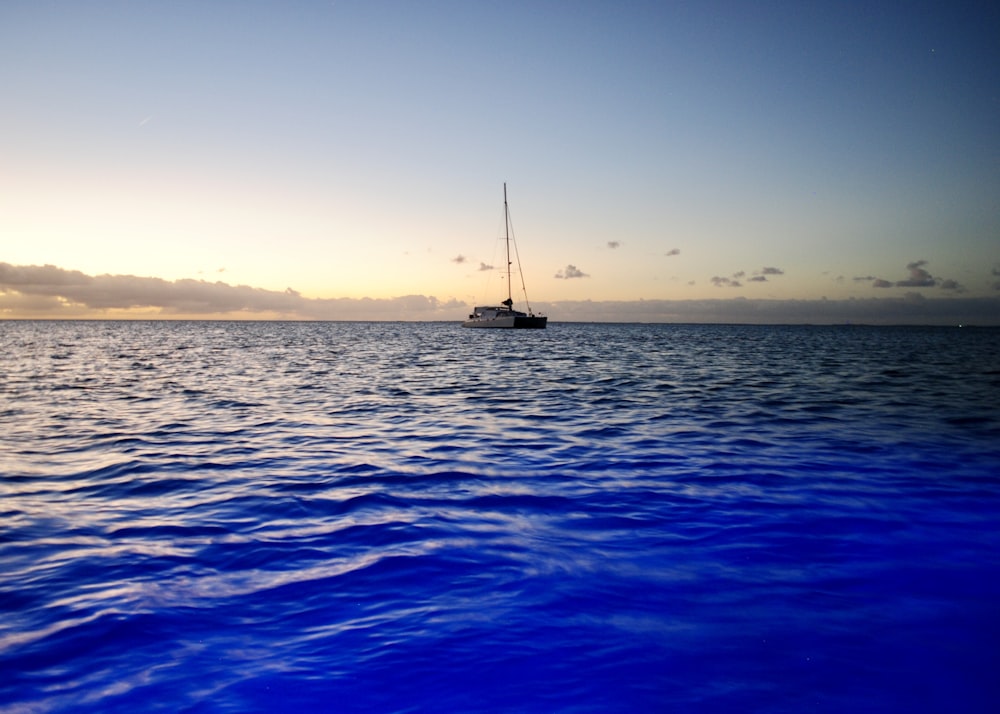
(509, 322)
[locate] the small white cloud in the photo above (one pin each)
(571, 271)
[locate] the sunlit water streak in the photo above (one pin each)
(414, 517)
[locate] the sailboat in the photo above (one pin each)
(504, 315)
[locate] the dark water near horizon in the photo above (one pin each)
(398, 517)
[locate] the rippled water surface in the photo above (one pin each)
(397, 517)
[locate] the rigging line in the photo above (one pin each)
(517, 256)
(506, 230)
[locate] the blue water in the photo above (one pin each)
(386, 517)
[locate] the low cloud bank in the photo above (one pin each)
(50, 292)
(911, 309)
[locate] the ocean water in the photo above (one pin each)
(396, 517)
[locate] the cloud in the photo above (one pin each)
(673, 251)
(612, 244)
(760, 276)
(571, 271)
(484, 266)
(458, 259)
(49, 291)
(919, 278)
(734, 281)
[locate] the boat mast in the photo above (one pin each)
(506, 228)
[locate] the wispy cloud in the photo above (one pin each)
(484, 266)
(612, 244)
(673, 251)
(733, 282)
(571, 271)
(736, 279)
(458, 259)
(760, 276)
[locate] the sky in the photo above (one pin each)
(664, 161)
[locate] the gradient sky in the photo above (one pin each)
(304, 159)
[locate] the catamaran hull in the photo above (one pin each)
(518, 322)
